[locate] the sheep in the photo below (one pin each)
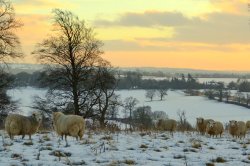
(248, 125)
(16, 124)
(167, 125)
(214, 128)
(201, 125)
(72, 125)
(237, 128)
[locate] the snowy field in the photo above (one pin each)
(157, 149)
(194, 106)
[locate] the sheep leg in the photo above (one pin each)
(30, 137)
(23, 136)
(80, 134)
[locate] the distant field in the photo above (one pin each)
(194, 106)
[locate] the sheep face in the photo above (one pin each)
(55, 116)
(233, 123)
(211, 124)
(37, 116)
(199, 120)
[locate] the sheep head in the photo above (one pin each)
(233, 123)
(211, 124)
(37, 116)
(199, 120)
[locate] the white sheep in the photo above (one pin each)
(167, 125)
(237, 128)
(201, 125)
(16, 124)
(72, 125)
(214, 128)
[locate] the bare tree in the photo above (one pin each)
(129, 105)
(106, 84)
(227, 94)
(183, 124)
(162, 93)
(9, 48)
(9, 42)
(150, 94)
(115, 104)
(142, 118)
(73, 56)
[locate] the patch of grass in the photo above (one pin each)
(131, 149)
(46, 148)
(143, 146)
(165, 147)
(113, 147)
(143, 134)
(108, 137)
(28, 143)
(190, 150)
(46, 138)
(129, 162)
(157, 150)
(165, 138)
(79, 163)
(49, 144)
(211, 148)
(179, 156)
(181, 142)
(248, 141)
(59, 153)
(219, 160)
(16, 156)
(236, 148)
(87, 142)
(244, 146)
(234, 140)
(246, 161)
(210, 164)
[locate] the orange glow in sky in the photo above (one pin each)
(207, 34)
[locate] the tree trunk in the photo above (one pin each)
(103, 111)
(76, 100)
(130, 120)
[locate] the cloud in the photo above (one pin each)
(231, 6)
(161, 45)
(147, 19)
(220, 28)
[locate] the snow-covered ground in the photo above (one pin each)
(120, 149)
(194, 106)
(156, 149)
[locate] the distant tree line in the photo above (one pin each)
(133, 80)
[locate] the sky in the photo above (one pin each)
(197, 34)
